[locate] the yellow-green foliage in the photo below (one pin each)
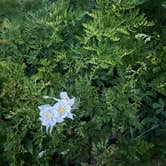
(96, 51)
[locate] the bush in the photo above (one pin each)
(110, 55)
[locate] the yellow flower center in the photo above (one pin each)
(61, 110)
(48, 116)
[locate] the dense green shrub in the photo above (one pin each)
(110, 55)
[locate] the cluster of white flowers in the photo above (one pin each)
(50, 115)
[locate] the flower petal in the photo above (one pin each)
(70, 115)
(71, 101)
(63, 95)
(44, 107)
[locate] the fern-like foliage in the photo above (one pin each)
(107, 54)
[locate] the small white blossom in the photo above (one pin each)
(64, 110)
(41, 153)
(48, 116)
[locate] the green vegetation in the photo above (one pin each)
(110, 55)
